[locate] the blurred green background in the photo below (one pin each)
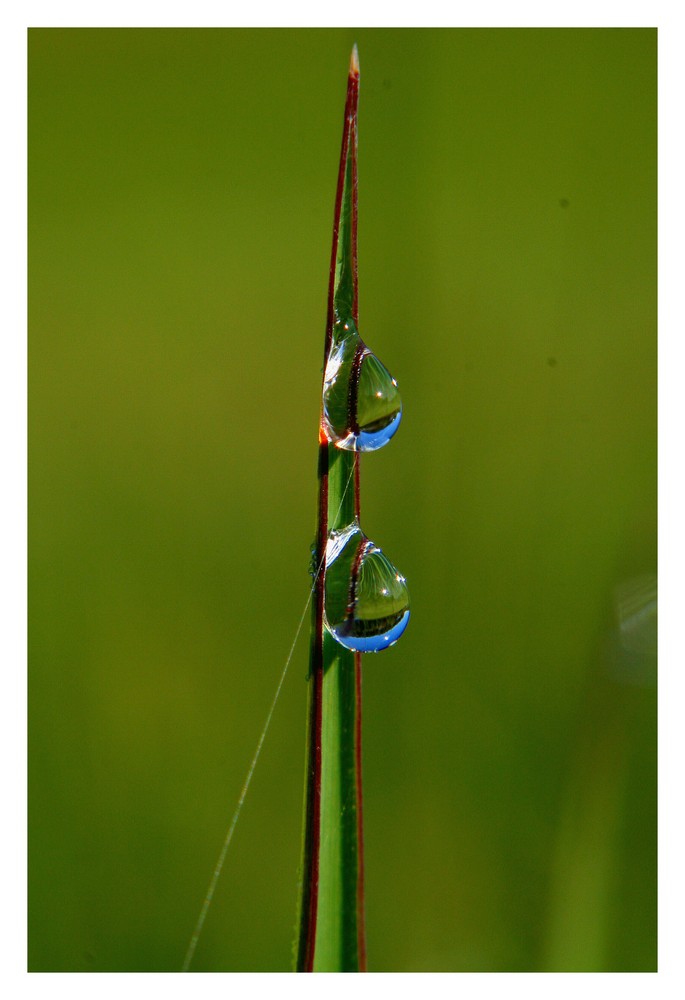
(181, 200)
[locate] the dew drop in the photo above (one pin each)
(366, 603)
(362, 406)
(313, 560)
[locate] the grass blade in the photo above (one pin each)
(331, 932)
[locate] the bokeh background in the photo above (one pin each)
(181, 199)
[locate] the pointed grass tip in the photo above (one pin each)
(354, 61)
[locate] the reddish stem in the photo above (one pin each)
(313, 831)
(349, 135)
(361, 919)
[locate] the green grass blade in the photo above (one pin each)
(331, 912)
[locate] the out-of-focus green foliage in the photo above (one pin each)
(181, 206)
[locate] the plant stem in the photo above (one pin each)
(331, 933)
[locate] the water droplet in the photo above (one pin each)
(362, 406)
(313, 560)
(366, 604)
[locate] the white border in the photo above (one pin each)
(672, 496)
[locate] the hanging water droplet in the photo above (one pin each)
(362, 406)
(366, 604)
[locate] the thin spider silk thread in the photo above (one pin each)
(246, 784)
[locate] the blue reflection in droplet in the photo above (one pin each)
(372, 643)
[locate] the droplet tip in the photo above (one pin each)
(354, 61)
